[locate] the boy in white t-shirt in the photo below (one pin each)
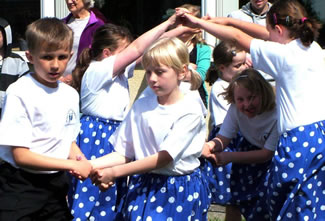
(38, 129)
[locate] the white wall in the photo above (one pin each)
(54, 8)
(217, 8)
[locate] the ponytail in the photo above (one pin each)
(292, 15)
(82, 64)
(196, 80)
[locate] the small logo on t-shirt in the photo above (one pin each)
(71, 117)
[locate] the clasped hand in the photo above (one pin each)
(103, 178)
(216, 156)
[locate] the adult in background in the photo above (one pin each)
(83, 23)
(254, 11)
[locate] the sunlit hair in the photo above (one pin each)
(107, 36)
(222, 54)
(48, 34)
(253, 81)
(292, 15)
(172, 53)
(196, 11)
(89, 3)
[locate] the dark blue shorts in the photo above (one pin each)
(27, 196)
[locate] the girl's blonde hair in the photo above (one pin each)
(292, 15)
(173, 53)
(196, 11)
(253, 81)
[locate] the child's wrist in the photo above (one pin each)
(218, 145)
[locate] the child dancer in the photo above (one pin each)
(39, 126)
(228, 62)
(160, 140)
(252, 113)
(101, 76)
(296, 62)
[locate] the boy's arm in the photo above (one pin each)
(27, 159)
(108, 175)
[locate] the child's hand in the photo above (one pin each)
(222, 158)
(186, 17)
(103, 178)
(207, 149)
(81, 169)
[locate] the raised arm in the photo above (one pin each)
(252, 29)
(223, 32)
(137, 47)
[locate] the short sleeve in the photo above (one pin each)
(186, 137)
(229, 127)
(267, 56)
(15, 126)
(272, 141)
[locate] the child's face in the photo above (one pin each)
(164, 82)
(49, 65)
(247, 102)
(238, 65)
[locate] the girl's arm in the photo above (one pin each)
(247, 157)
(223, 32)
(137, 47)
(75, 152)
(217, 144)
(108, 175)
(30, 160)
(109, 160)
(252, 29)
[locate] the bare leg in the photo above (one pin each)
(232, 213)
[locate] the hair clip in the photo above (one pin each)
(303, 19)
(240, 76)
(275, 19)
(233, 52)
(287, 19)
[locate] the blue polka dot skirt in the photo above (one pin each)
(171, 198)
(296, 187)
(86, 201)
(241, 185)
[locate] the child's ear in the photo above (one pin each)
(183, 73)
(106, 52)
(29, 56)
(279, 29)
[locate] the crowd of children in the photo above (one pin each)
(263, 158)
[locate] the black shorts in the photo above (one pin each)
(31, 197)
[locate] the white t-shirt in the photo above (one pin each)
(185, 87)
(102, 95)
(43, 119)
(299, 75)
(217, 104)
(77, 25)
(150, 127)
(260, 130)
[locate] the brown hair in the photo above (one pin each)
(49, 33)
(253, 81)
(292, 15)
(107, 36)
(222, 54)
